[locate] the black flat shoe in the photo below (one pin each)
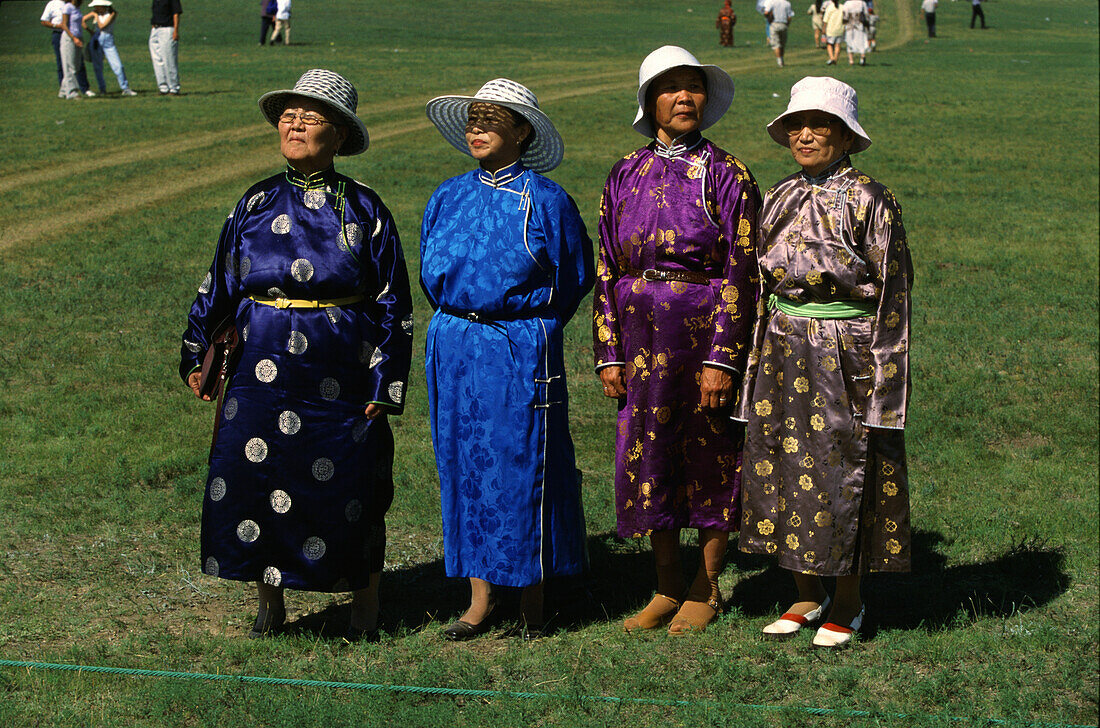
(459, 631)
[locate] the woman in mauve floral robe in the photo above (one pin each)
(827, 383)
(673, 314)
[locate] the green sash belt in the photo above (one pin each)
(830, 310)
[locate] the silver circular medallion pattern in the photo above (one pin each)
(396, 391)
(353, 510)
(323, 469)
(244, 332)
(273, 576)
(301, 269)
(266, 371)
(353, 233)
(255, 200)
(376, 358)
(248, 531)
(217, 489)
(281, 224)
(246, 265)
(289, 422)
(255, 450)
(333, 313)
(192, 346)
(297, 343)
(314, 548)
(229, 411)
(407, 324)
(314, 199)
(330, 389)
(280, 501)
(276, 292)
(211, 566)
(366, 351)
(359, 430)
(208, 281)
(231, 264)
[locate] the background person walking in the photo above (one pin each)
(976, 12)
(282, 22)
(928, 7)
(164, 44)
(779, 14)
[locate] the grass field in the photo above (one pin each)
(109, 209)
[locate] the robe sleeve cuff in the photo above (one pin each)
(607, 364)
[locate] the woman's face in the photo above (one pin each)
(676, 101)
(309, 147)
(494, 138)
(817, 139)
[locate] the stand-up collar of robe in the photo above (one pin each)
(502, 176)
(315, 181)
(680, 145)
(837, 167)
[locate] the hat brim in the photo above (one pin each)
(720, 90)
(450, 113)
(273, 103)
(776, 132)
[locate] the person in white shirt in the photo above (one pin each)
(929, 8)
(282, 22)
(855, 30)
(52, 19)
(976, 13)
(779, 14)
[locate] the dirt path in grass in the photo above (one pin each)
(149, 190)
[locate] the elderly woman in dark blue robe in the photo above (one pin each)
(310, 271)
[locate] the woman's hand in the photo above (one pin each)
(193, 380)
(373, 410)
(716, 387)
(614, 384)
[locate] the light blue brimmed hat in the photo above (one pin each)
(450, 113)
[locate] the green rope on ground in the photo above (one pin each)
(422, 690)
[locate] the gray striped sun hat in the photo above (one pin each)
(336, 92)
(449, 114)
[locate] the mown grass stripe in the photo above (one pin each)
(512, 694)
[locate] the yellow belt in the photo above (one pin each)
(282, 302)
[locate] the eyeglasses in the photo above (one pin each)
(819, 125)
(308, 118)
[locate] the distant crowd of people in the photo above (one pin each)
(854, 22)
(68, 25)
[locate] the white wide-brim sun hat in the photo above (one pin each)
(665, 58)
(100, 4)
(823, 93)
(336, 92)
(450, 113)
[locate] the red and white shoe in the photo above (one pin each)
(832, 635)
(787, 625)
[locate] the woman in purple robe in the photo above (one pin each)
(673, 310)
(826, 388)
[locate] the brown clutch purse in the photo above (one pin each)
(220, 360)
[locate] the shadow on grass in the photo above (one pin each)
(934, 596)
(620, 580)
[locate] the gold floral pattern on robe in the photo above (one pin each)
(825, 485)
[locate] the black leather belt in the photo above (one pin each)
(656, 274)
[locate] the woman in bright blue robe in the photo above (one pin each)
(505, 262)
(310, 269)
